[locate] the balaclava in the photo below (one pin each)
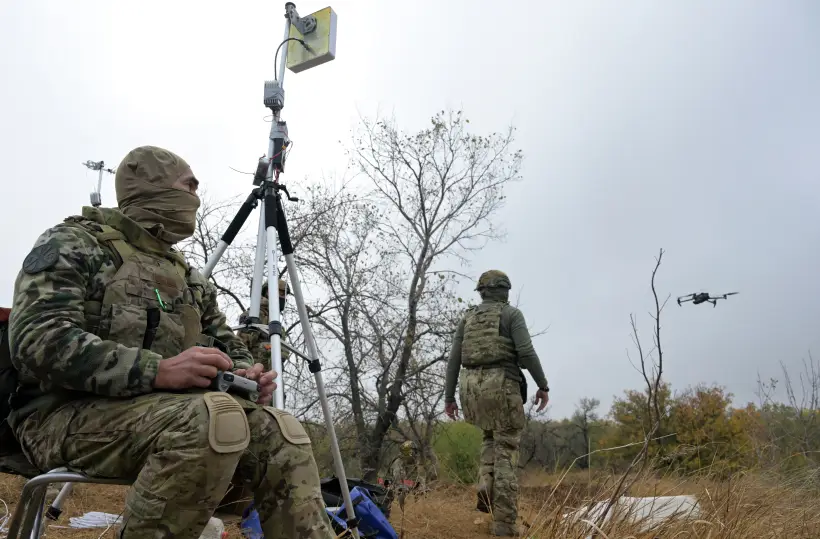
(145, 194)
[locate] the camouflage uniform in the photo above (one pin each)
(253, 340)
(102, 299)
(492, 343)
(405, 468)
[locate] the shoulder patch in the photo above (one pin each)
(41, 258)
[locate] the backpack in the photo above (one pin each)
(332, 492)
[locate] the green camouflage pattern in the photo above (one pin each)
(493, 279)
(161, 442)
(77, 326)
(492, 402)
(482, 343)
(254, 341)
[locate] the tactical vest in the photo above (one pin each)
(482, 343)
(149, 302)
(152, 302)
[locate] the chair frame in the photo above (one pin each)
(27, 519)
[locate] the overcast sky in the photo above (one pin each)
(692, 126)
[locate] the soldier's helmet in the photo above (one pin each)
(408, 448)
(284, 288)
(493, 279)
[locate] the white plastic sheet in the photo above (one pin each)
(97, 519)
(646, 512)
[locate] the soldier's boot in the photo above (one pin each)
(505, 529)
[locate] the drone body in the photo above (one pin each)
(703, 297)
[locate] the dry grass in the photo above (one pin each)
(744, 507)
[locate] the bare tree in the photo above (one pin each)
(794, 425)
(352, 273)
(363, 316)
(439, 189)
(232, 274)
(318, 202)
(583, 418)
(651, 368)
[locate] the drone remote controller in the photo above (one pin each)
(233, 383)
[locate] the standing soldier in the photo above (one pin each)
(260, 348)
(493, 344)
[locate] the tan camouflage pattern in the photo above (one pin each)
(146, 193)
(161, 442)
(493, 279)
(482, 343)
(255, 342)
(78, 326)
(493, 403)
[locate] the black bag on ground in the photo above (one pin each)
(332, 493)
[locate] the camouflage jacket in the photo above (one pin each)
(402, 470)
(89, 293)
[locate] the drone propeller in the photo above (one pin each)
(731, 293)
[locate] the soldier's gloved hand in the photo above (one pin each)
(195, 367)
(264, 379)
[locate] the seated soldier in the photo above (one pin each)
(253, 339)
(112, 336)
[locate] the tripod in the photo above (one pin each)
(273, 223)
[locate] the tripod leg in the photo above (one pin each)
(230, 234)
(314, 364)
(274, 325)
(258, 268)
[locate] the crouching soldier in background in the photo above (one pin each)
(253, 339)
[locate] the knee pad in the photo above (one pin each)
(228, 430)
(292, 429)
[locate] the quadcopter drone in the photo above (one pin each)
(703, 297)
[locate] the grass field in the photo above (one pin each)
(744, 507)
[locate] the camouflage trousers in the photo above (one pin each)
(493, 403)
(183, 451)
